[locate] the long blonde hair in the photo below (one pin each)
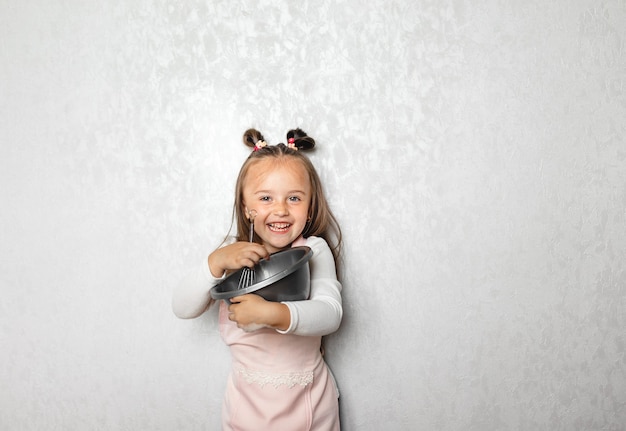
(322, 223)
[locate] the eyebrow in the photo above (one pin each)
(258, 192)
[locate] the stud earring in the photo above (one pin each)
(250, 214)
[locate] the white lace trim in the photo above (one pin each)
(289, 379)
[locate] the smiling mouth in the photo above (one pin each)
(279, 227)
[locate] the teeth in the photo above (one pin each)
(279, 225)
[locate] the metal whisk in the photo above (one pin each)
(247, 274)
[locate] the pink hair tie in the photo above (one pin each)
(291, 143)
(259, 144)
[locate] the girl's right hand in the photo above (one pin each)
(235, 256)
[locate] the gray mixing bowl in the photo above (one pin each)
(283, 277)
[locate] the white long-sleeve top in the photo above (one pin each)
(319, 315)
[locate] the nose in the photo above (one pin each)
(280, 209)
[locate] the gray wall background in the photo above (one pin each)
(473, 152)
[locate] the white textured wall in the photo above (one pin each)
(474, 152)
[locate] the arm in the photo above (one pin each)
(192, 296)
(319, 315)
(252, 312)
(322, 313)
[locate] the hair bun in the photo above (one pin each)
(301, 140)
(251, 137)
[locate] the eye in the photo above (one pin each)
(294, 199)
(265, 198)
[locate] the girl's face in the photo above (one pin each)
(280, 193)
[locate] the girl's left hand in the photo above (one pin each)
(251, 312)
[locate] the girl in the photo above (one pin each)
(279, 380)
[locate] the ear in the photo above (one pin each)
(250, 214)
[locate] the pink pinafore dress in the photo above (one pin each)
(278, 382)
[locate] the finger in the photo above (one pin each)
(250, 260)
(243, 298)
(260, 251)
(265, 254)
(250, 263)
